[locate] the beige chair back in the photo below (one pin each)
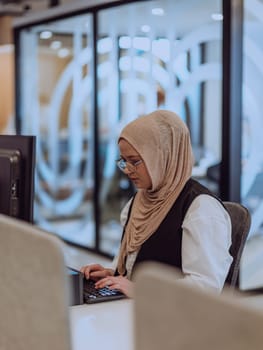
(33, 289)
(171, 315)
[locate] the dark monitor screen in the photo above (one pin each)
(17, 168)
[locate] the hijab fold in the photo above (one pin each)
(163, 142)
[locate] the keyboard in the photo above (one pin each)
(93, 295)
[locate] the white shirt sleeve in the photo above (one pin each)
(124, 212)
(205, 244)
(123, 219)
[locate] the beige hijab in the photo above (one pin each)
(163, 142)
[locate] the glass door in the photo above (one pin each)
(56, 105)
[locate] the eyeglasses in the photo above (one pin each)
(125, 165)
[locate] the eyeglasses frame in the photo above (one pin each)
(133, 166)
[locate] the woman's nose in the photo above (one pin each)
(128, 170)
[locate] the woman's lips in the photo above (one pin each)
(133, 178)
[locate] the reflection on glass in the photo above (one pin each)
(252, 156)
(157, 60)
(251, 272)
(56, 106)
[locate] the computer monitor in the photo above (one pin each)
(17, 162)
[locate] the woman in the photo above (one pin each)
(172, 218)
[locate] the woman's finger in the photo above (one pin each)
(104, 282)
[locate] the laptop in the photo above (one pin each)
(84, 291)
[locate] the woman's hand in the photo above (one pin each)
(119, 283)
(96, 271)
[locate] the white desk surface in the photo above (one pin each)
(100, 326)
(109, 325)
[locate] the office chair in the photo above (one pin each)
(241, 220)
(172, 315)
(34, 290)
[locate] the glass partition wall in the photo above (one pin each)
(157, 56)
(252, 156)
(82, 78)
(56, 102)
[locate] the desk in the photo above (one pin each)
(103, 326)
(109, 325)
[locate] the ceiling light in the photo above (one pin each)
(55, 45)
(158, 11)
(145, 28)
(62, 53)
(46, 34)
(217, 16)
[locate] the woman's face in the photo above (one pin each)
(138, 173)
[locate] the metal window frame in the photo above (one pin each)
(230, 179)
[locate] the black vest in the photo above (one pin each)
(165, 244)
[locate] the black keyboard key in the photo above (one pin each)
(93, 295)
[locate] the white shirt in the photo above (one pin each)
(206, 241)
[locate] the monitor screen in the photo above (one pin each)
(17, 163)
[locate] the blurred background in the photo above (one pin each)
(73, 73)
